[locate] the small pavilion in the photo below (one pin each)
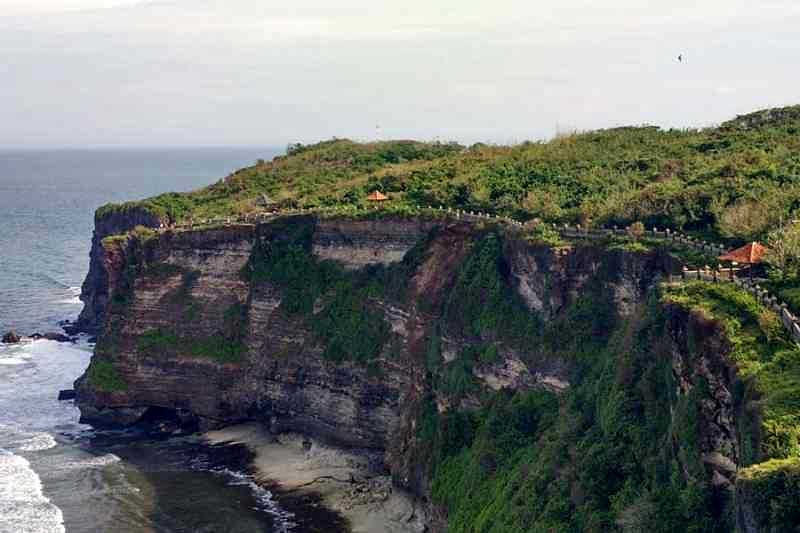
(377, 197)
(750, 254)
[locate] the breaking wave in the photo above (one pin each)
(23, 507)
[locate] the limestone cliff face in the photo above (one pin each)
(190, 289)
(187, 331)
(699, 352)
(95, 289)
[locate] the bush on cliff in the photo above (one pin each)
(771, 490)
(104, 376)
(483, 304)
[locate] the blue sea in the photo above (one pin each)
(56, 474)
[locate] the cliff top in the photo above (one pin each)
(733, 181)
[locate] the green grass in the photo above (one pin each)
(164, 343)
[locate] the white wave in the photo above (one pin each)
(99, 461)
(11, 361)
(23, 507)
(264, 498)
(39, 442)
(73, 296)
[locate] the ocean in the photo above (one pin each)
(57, 474)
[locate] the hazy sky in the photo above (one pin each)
(226, 72)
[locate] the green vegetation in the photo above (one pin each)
(763, 353)
(348, 326)
(539, 233)
(283, 257)
(736, 181)
(339, 305)
(482, 304)
(603, 456)
(224, 346)
(162, 343)
(104, 376)
(773, 492)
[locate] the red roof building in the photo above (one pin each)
(377, 196)
(749, 254)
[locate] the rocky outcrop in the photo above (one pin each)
(95, 288)
(699, 351)
(11, 338)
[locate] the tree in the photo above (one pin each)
(784, 250)
(748, 219)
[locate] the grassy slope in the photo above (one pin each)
(680, 178)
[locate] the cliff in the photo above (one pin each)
(95, 288)
(504, 380)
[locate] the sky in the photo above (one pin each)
(85, 73)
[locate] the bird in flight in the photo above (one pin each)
(680, 58)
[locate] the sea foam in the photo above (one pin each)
(23, 507)
(266, 503)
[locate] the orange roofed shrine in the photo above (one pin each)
(749, 254)
(377, 196)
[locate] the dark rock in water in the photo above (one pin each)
(70, 329)
(11, 338)
(66, 394)
(105, 418)
(58, 337)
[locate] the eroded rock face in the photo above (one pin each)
(358, 243)
(699, 357)
(196, 279)
(95, 288)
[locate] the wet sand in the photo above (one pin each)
(348, 482)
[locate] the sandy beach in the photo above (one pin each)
(350, 483)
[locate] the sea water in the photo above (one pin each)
(55, 473)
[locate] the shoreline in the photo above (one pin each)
(348, 483)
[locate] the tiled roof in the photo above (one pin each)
(750, 253)
(377, 196)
